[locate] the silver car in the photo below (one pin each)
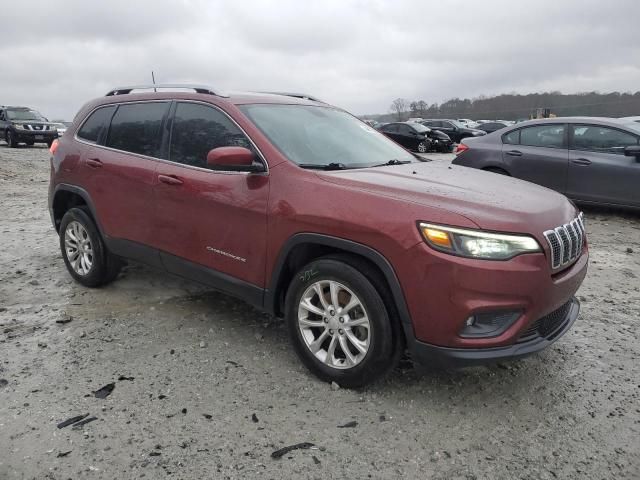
(591, 160)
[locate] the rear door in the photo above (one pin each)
(214, 219)
(598, 169)
(538, 154)
(119, 166)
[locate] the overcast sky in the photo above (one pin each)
(360, 54)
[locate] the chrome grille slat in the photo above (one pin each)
(566, 242)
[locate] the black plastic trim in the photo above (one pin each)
(78, 191)
(245, 291)
(443, 357)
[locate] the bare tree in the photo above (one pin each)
(399, 108)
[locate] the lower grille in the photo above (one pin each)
(548, 325)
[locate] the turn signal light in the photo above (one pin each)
(437, 237)
(461, 148)
(53, 147)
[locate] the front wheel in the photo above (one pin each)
(338, 323)
(11, 139)
(423, 147)
(84, 253)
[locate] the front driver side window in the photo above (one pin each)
(197, 129)
(601, 139)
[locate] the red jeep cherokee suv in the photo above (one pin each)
(308, 213)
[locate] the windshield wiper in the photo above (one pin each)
(325, 166)
(393, 161)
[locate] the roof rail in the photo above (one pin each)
(303, 96)
(172, 86)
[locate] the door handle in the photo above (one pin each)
(169, 179)
(514, 153)
(94, 162)
(581, 161)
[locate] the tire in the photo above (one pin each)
(497, 170)
(11, 139)
(317, 328)
(98, 267)
(422, 147)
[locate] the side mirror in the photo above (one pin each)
(632, 151)
(235, 159)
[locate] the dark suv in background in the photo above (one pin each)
(302, 210)
(24, 125)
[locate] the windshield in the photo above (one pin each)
(420, 128)
(457, 124)
(310, 135)
(24, 115)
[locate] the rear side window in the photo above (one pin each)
(551, 136)
(197, 129)
(136, 128)
(96, 124)
(601, 139)
(512, 138)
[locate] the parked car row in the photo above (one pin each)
(25, 125)
(589, 159)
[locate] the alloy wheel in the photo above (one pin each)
(334, 324)
(78, 248)
(422, 148)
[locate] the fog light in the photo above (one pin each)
(488, 324)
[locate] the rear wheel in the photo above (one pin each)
(84, 253)
(338, 323)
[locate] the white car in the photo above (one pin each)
(631, 119)
(61, 127)
(467, 122)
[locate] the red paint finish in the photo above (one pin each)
(237, 223)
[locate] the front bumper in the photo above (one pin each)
(35, 135)
(443, 357)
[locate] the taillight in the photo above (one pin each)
(53, 147)
(461, 148)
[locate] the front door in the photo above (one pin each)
(598, 169)
(209, 224)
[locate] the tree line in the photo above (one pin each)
(513, 106)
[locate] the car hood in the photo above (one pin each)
(491, 201)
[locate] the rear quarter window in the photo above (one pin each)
(96, 124)
(511, 138)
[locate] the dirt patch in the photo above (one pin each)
(207, 387)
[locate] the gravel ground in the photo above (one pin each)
(207, 387)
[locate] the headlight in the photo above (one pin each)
(477, 243)
(20, 126)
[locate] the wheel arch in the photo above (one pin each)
(67, 196)
(302, 248)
